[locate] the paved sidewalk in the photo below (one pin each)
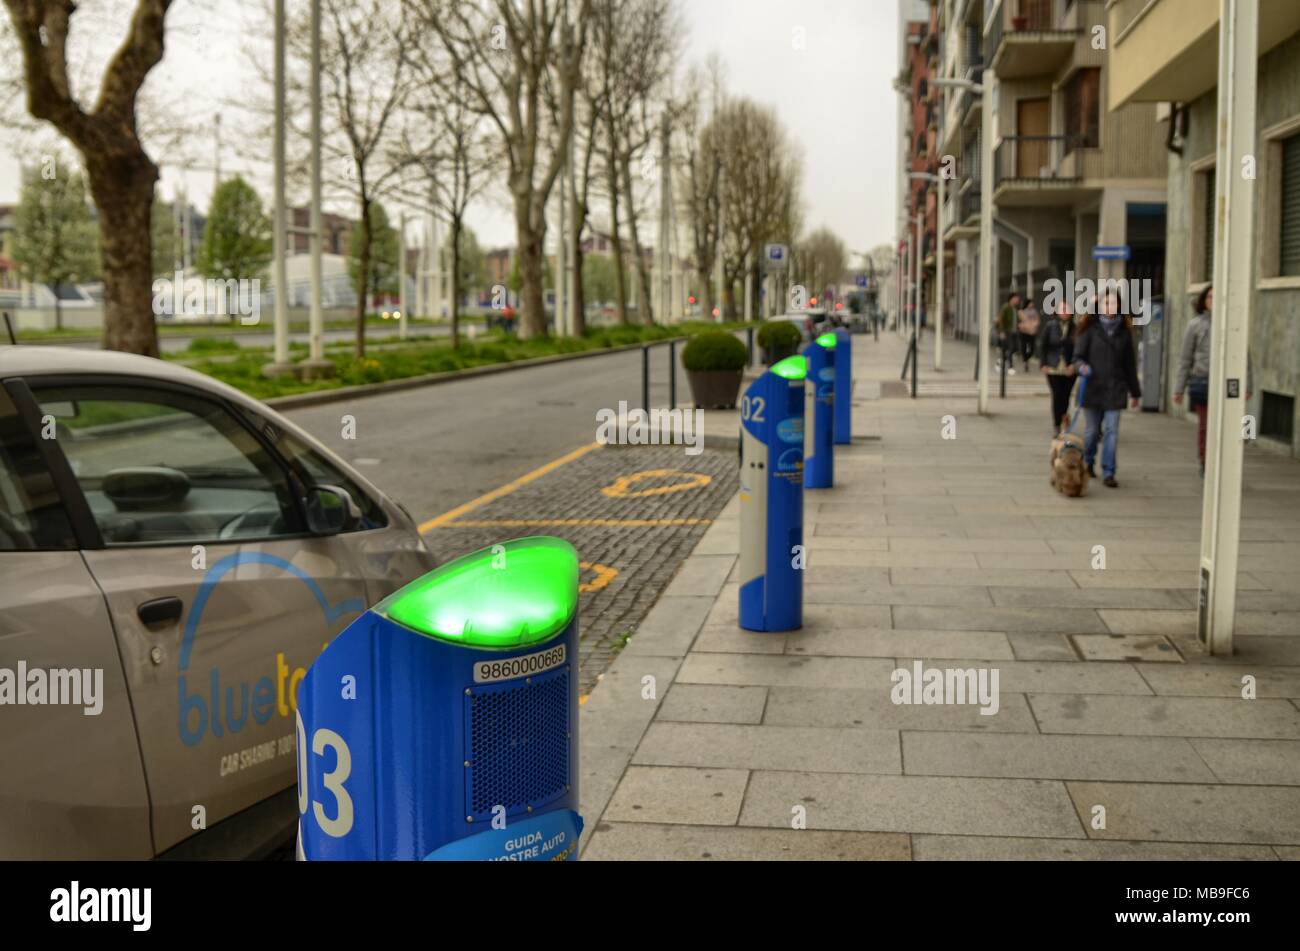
(1115, 735)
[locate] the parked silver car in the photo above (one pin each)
(173, 556)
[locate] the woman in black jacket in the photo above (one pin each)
(1106, 357)
(1055, 350)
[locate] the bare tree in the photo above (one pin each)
(760, 194)
(513, 57)
(453, 152)
(702, 169)
(120, 172)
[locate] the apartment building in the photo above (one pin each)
(1164, 55)
(918, 125)
(1077, 189)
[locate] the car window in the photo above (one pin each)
(32, 517)
(159, 466)
(315, 469)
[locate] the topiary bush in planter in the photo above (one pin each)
(778, 339)
(715, 365)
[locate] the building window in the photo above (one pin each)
(1277, 418)
(1289, 239)
(1202, 217)
(1083, 109)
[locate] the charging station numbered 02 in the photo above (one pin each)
(443, 722)
(771, 499)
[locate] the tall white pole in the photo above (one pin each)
(404, 315)
(279, 238)
(986, 262)
(316, 316)
(939, 278)
(1233, 299)
(920, 277)
(722, 224)
(562, 258)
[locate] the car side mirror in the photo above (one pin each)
(331, 510)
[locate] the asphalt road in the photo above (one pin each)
(436, 447)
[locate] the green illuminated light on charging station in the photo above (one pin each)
(827, 340)
(791, 368)
(511, 595)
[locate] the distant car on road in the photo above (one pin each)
(173, 556)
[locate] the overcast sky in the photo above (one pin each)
(824, 65)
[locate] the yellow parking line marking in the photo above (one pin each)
(576, 522)
(622, 486)
(583, 699)
(604, 575)
(506, 489)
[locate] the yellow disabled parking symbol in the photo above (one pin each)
(623, 486)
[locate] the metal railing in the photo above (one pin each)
(1033, 158)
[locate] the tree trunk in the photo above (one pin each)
(645, 309)
(532, 271)
(123, 187)
(363, 280)
(455, 282)
(579, 294)
(705, 277)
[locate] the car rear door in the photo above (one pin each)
(219, 597)
(72, 783)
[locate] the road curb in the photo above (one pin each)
(321, 397)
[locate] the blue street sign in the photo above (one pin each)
(862, 280)
(1112, 252)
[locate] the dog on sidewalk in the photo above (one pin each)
(1069, 474)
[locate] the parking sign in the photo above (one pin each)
(776, 255)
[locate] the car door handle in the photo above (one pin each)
(159, 610)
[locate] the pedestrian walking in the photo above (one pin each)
(1104, 354)
(1027, 326)
(1007, 319)
(1055, 349)
(1193, 378)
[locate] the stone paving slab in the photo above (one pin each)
(967, 848)
(1048, 620)
(984, 645)
(615, 841)
(783, 671)
(1034, 646)
(741, 746)
(1165, 716)
(678, 794)
(872, 708)
(1091, 597)
(708, 703)
(1129, 647)
(1192, 813)
(1036, 756)
(1049, 677)
(1206, 681)
(913, 804)
(1258, 762)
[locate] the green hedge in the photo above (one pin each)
(779, 335)
(714, 350)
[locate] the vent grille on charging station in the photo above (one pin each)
(518, 743)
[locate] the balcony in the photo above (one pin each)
(962, 214)
(1040, 169)
(1031, 38)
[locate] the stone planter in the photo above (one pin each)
(715, 389)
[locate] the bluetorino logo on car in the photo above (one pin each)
(198, 713)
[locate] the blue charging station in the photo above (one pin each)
(843, 386)
(771, 498)
(819, 414)
(443, 722)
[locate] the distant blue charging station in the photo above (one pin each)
(443, 722)
(819, 414)
(771, 499)
(843, 386)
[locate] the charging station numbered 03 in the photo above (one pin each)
(443, 722)
(771, 499)
(819, 414)
(843, 386)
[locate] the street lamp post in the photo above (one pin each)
(938, 265)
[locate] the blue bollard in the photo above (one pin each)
(443, 722)
(843, 387)
(819, 414)
(771, 499)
